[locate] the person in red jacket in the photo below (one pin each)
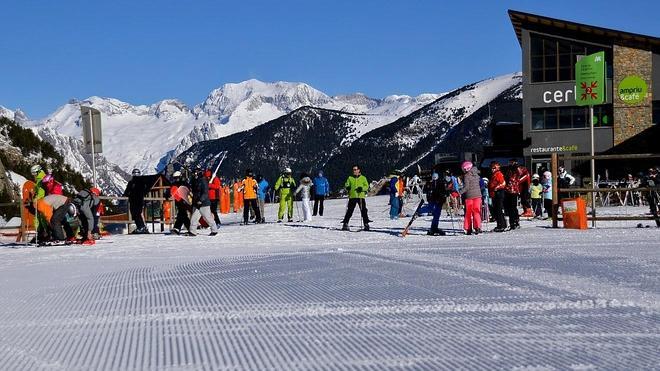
(524, 182)
(52, 186)
(214, 194)
(496, 188)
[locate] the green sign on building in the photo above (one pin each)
(632, 90)
(590, 80)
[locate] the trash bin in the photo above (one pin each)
(574, 211)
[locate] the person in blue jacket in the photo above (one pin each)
(261, 195)
(321, 191)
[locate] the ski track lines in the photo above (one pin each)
(359, 301)
(299, 311)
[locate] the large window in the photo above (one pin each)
(554, 59)
(656, 111)
(570, 117)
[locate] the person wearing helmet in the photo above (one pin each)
(201, 205)
(305, 190)
(357, 186)
(182, 205)
(214, 194)
(39, 189)
(52, 186)
(284, 187)
(87, 203)
(249, 187)
(394, 195)
(497, 193)
(471, 190)
(436, 196)
(135, 191)
(536, 193)
(55, 209)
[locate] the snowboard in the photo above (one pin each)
(412, 219)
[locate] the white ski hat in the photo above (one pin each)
(176, 174)
(35, 169)
(287, 170)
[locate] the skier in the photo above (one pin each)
(261, 196)
(321, 191)
(485, 201)
(472, 192)
(86, 203)
(414, 186)
(100, 210)
(497, 193)
(249, 188)
(546, 182)
(357, 187)
(524, 182)
(565, 181)
(39, 189)
(214, 194)
(401, 189)
(652, 180)
(284, 186)
(225, 199)
(201, 205)
(305, 189)
(55, 209)
(436, 196)
(238, 201)
(182, 206)
(536, 193)
(135, 192)
(394, 195)
(52, 186)
(512, 189)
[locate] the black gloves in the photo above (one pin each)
(359, 189)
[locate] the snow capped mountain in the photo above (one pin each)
(17, 115)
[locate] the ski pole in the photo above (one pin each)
(451, 217)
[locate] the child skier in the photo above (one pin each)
(536, 192)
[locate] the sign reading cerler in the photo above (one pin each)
(568, 148)
(559, 96)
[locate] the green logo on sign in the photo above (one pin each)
(590, 80)
(632, 90)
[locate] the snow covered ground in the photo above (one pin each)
(308, 296)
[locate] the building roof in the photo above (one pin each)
(579, 31)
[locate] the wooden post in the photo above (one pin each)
(554, 164)
(22, 231)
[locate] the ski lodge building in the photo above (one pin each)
(552, 122)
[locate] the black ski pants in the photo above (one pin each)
(511, 205)
(214, 211)
(136, 207)
(59, 225)
(498, 208)
(318, 205)
(182, 218)
(352, 202)
(251, 203)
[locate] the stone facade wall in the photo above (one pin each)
(630, 120)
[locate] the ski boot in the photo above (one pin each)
(345, 227)
(366, 228)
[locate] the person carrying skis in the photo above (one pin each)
(86, 203)
(214, 194)
(201, 206)
(394, 195)
(497, 194)
(357, 186)
(284, 185)
(472, 191)
(135, 192)
(436, 196)
(321, 191)
(181, 204)
(305, 190)
(261, 196)
(249, 188)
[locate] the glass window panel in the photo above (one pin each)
(551, 74)
(536, 47)
(537, 62)
(565, 118)
(551, 118)
(537, 119)
(579, 117)
(565, 74)
(537, 76)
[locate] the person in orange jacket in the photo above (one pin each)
(249, 188)
(214, 194)
(225, 204)
(238, 200)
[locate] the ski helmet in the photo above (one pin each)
(72, 210)
(535, 176)
(435, 176)
(35, 169)
(96, 191)
(287, 170)
(320, 172)
(466, 166)
(547, 175)
(136, 172)
(177, 174)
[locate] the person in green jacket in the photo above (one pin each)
(357, 186)
(284, 186)
(39, 189)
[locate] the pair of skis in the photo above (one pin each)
(413, 218)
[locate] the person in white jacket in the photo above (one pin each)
(305, 189)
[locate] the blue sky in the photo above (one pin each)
(143, 51)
